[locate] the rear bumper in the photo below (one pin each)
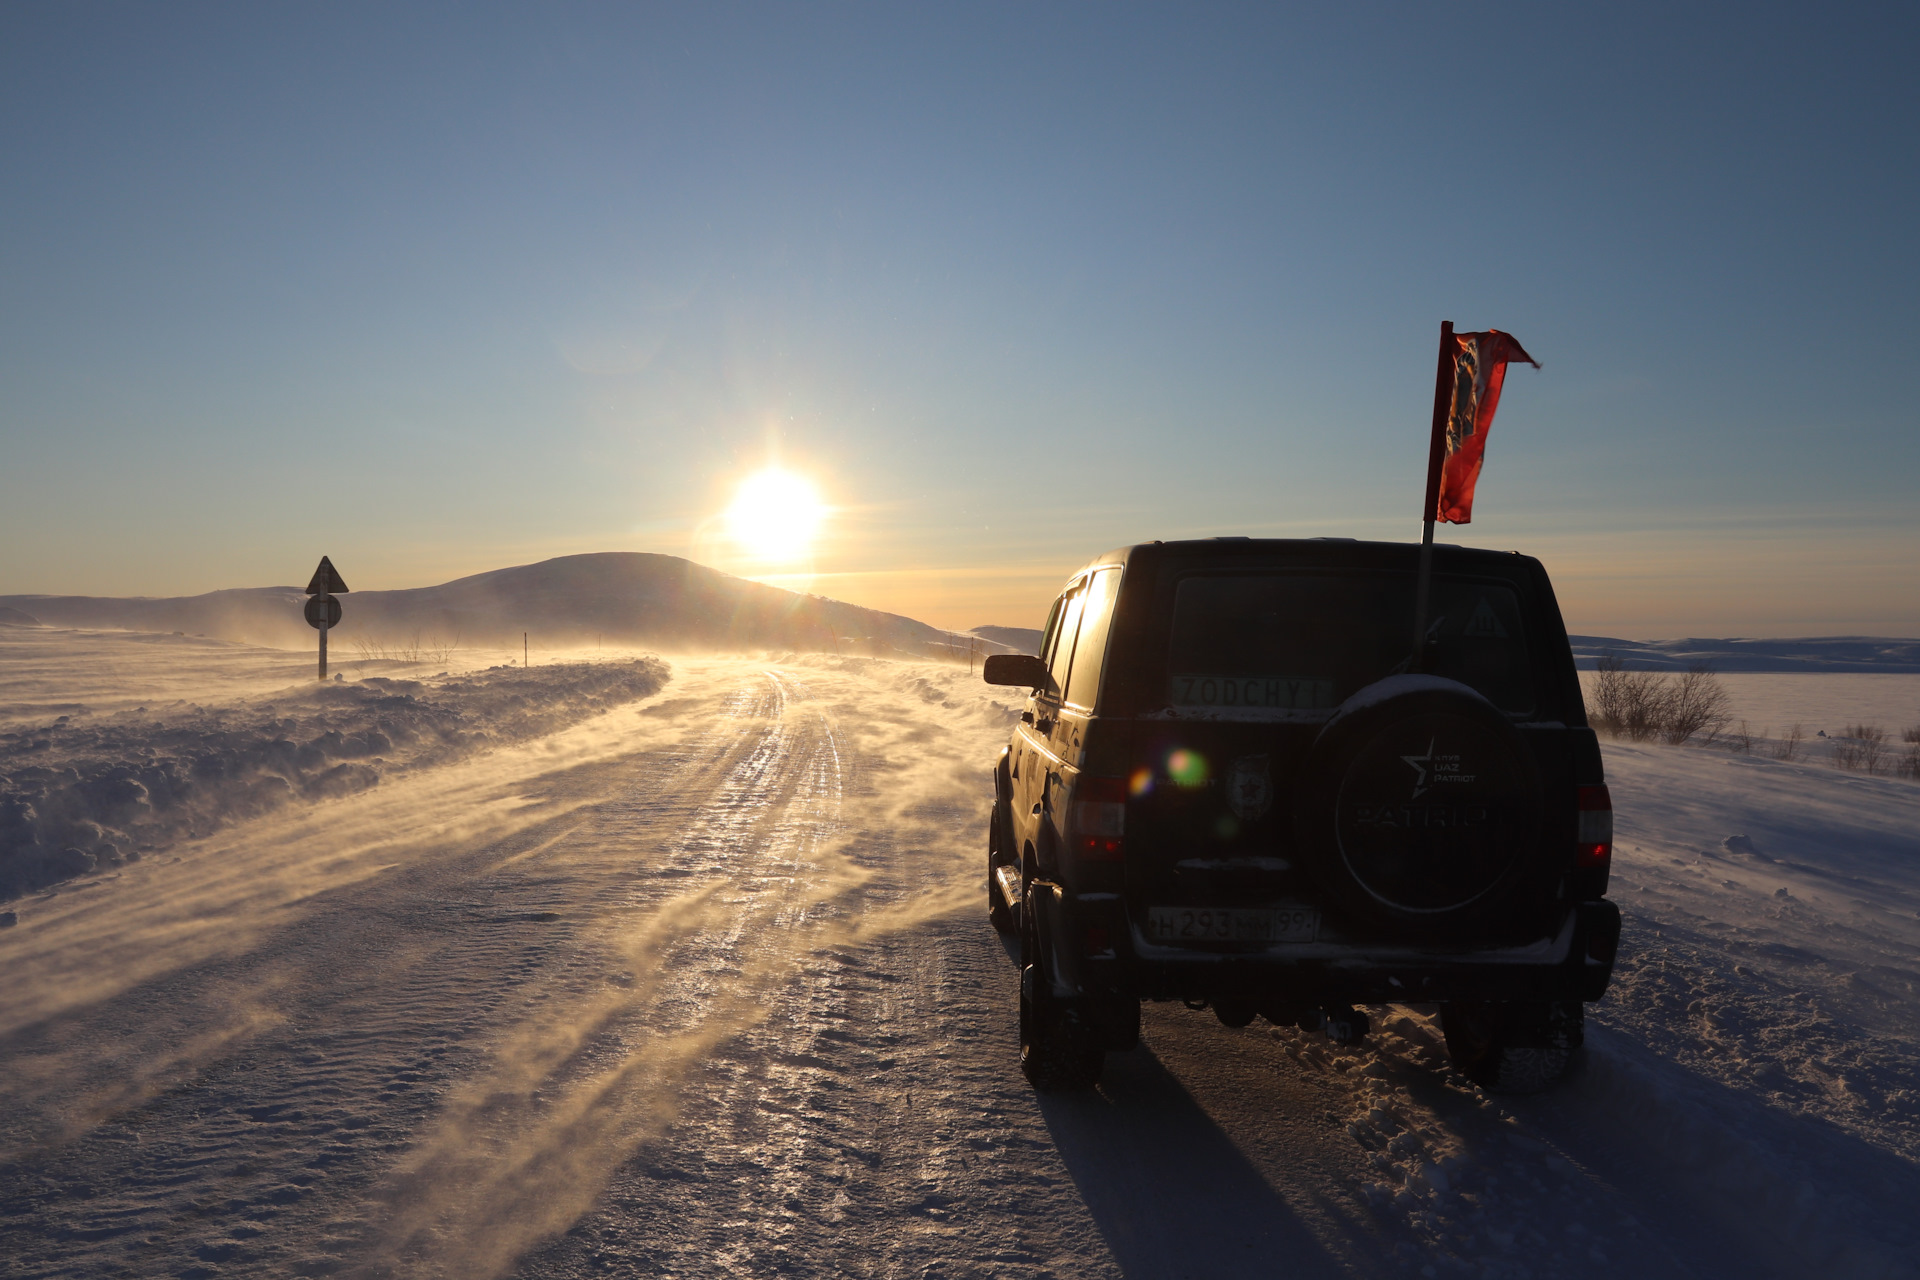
(1575, 964)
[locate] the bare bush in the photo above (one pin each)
(1741, 739)
(1695, 703)
(1862, 748)
(1788, 748)
(1911, 735)
(415, 650)
(1627, 703)
(1638, 705)
(1908, 766)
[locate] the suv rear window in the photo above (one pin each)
(1310, 641)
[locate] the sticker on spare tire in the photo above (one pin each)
(1294, 693)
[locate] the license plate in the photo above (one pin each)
(1232, 924)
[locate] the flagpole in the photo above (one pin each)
(1436, 456)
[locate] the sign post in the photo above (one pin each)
(323, 611)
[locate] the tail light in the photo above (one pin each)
(1593, 836)
(1097, 821)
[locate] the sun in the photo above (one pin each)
(775, 515)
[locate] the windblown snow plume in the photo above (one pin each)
(80, 795)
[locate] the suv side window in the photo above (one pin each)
(1062, 654)
(1052, 631)
(1096, 617)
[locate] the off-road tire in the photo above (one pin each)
(1513, 1048)
(1059, 1051)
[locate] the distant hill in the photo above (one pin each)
(613, 597)
(15, 618)
(1809, 654)
(1016, 639)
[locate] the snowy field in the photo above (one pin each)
(696, 981)
(1772, 704)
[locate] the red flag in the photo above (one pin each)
(1479, 368)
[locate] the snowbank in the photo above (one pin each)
(80, 794)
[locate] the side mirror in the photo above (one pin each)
(1021, 670)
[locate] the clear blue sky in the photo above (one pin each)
(438, 289)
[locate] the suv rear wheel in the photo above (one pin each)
(1059, 1051)
(1513, 1048)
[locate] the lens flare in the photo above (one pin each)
(775, 516)
(1187, 768)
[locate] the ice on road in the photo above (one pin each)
(703, 987)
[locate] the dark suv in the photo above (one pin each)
(1237, 784)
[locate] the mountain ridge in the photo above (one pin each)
(1886, 655)
(620, 596)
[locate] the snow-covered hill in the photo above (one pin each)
(1016, 639)
(1881, 654)
(615, 598)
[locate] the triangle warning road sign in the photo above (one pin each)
(326, 580)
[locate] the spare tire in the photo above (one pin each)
(1421, 806)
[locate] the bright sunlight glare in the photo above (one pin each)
(775, 515)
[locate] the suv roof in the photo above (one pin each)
(1326, 550)
(1135, 672)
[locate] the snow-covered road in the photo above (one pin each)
(704, 987)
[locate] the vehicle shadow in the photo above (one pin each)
(1167, 1188)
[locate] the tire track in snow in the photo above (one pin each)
(572, 1091)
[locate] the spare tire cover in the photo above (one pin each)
(1434, 804)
